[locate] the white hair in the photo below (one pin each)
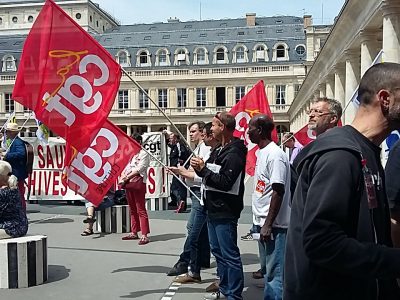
(6, 172)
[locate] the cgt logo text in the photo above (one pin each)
(153, 147)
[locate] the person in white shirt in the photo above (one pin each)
(270, 203)
(196, 251)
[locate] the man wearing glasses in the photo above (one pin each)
(324, 114)
(338, 242)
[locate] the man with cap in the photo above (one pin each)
(16, 156)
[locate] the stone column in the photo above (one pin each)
(369, 49)
(128, 130)
(322, 90)
(173, 98)
(391, 31)
(340, 81)
(290, 94)
(329, 87)
(148, 128)
(352, 79)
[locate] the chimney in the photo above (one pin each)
(173, 20)
(251, 19)
(307, 21)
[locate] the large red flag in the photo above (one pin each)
(91, 173)
(66, 77)
(254, 102)
(305, 135)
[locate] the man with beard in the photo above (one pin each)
(338, 242)
(324, 114)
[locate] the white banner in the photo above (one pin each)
(46, 184)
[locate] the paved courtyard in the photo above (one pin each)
(102, 266)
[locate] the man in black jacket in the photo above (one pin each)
(223, 177)
(338, 243)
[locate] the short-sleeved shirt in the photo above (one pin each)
(272, 167)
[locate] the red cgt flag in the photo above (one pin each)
(305, 136)
(254, 102)
(66, 77)
(91, 173)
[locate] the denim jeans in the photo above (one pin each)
(261, 249)
(196, 251)
(223, 242)
(274, 253)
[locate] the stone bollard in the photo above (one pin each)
(23, 261)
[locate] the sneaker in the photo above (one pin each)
(131, 236)
(247, 237)
(178, 269)
(186, 278)
(214, 296)
(258, 274)
(213, 287)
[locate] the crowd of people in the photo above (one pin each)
(325, 216)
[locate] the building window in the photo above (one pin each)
(240, 54)
(239, 93)
(8, 103)
(30, 19)
(181, 98)
(90, 19)
(220, 55)
(97, 23)
(280, 94)
(162, 58)
(14, 19)
(296, 89)
(200, 56)
(201, 98)
(78, 16)
(123, 58)
(9, 64)
(300, 50)
(123, 101)
(26, 110)
(260, 53)
(143, 58)
(181, 57)
(143, 100)
(280, 51)
(162, 98)
(1, 21)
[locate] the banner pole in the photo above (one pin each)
(159, 108)
(176, 176)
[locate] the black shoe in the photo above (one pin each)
(178, 269)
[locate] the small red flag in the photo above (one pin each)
(91, 173)
(254, 102)
(66, 77)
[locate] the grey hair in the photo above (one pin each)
(334, 106)
(5, 171)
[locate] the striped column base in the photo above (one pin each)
(23, 261)
(115, 219)
(156, 204)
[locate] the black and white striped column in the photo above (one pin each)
(156, 204)
(114, 219)
(23, 261)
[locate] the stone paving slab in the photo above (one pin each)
(103, 266)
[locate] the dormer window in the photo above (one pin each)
(260, 53)
(200, 56)
(240, 54)
(9, 64)
(280, 52)
(162, 57)
(143, 58)
(123, 58)
(181, 57)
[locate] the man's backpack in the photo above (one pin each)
(29, 157)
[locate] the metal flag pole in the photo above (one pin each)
(176, 176)
(159, 108)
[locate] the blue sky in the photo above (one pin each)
(139, 11)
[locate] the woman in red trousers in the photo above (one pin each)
(133, 179)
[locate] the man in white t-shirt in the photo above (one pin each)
(270, 203)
